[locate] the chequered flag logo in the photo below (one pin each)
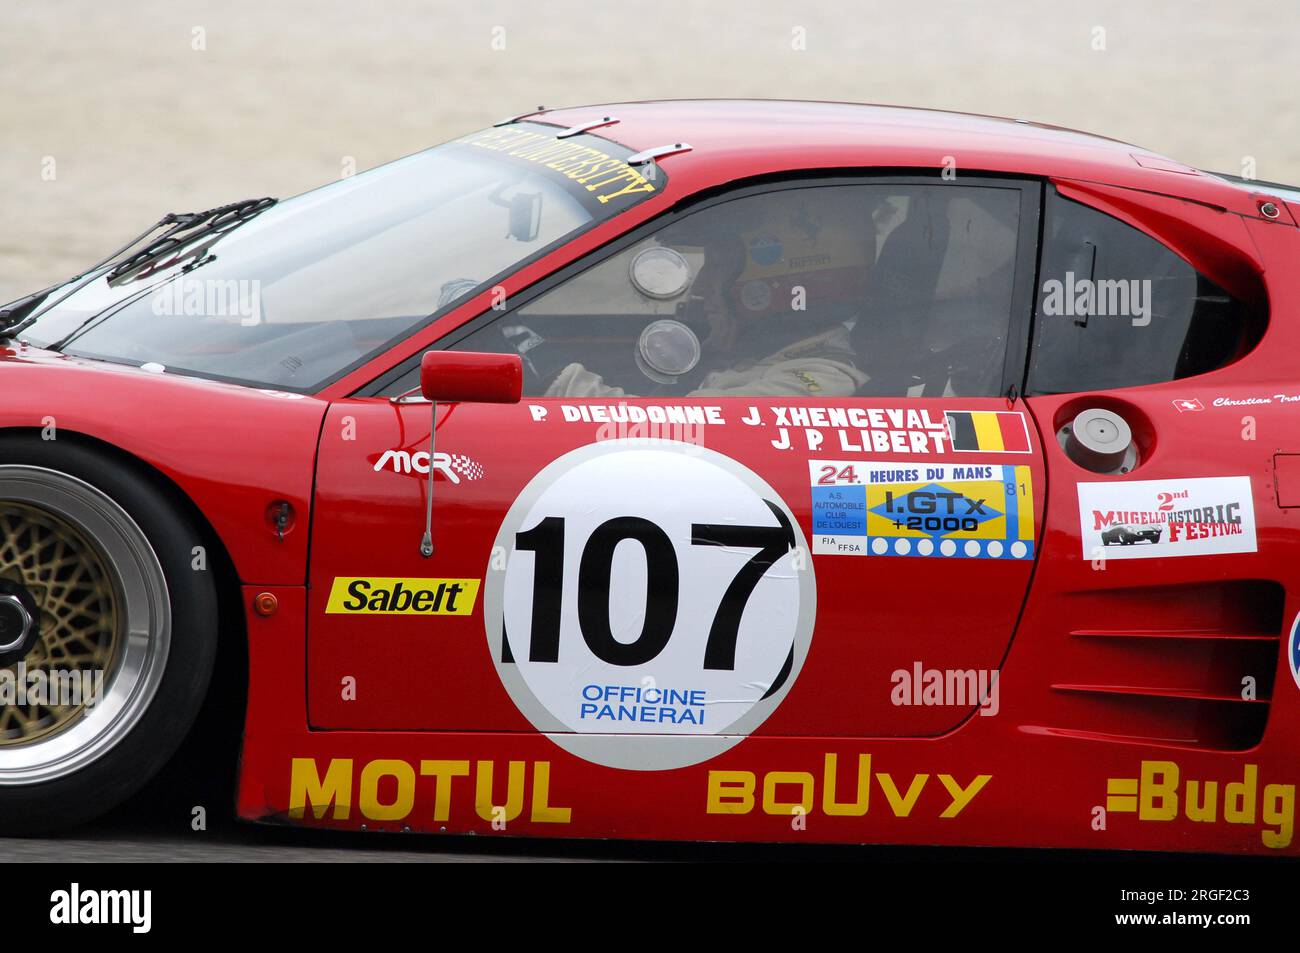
(468, 468)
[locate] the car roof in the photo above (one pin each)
(739, 138)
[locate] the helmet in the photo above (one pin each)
(770, 269)
(812, 251)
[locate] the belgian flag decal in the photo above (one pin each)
(988, 431)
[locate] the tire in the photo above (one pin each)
(123, 565)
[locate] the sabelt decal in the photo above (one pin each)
(875, 508)
(386, 595)
(1151, 518)
(1162, 792)
(655, 606)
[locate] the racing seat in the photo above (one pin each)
(888, 337)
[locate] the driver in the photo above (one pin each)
(779, 286)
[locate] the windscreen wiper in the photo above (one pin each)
(16, 311)
(17, 315)
(187, 226)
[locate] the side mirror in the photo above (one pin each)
(467, 376)
(471, 376)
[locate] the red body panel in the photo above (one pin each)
(233, 450)
(1148, 704)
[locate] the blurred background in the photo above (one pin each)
(112, 114)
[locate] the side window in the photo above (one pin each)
(1116, 308)
(826, 291)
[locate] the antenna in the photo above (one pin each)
(426, 543)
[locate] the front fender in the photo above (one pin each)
(235, 451)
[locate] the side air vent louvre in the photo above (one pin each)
(1203, 678)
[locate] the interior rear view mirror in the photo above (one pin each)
(525, 216)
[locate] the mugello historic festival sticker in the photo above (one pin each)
(1149, 518)
(975, 511)
(652, 608)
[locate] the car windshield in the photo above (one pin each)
(317, 284)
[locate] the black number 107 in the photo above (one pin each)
(546, 542)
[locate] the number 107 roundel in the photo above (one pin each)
(698, 470)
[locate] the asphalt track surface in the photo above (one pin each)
(132, 836)
(126, 837)
(142, 833)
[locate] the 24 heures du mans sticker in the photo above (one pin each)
(879, 508)
(1148, 518)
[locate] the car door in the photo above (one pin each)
(1157, 610)
(769, 476)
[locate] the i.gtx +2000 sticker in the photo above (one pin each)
(655, 605)
(971, 511)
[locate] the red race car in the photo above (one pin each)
(778, 460)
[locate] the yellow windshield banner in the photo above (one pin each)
(604, 176)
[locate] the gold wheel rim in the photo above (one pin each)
(80, 622)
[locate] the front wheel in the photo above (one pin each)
(107, 632)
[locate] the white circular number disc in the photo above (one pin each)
(694, 647)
